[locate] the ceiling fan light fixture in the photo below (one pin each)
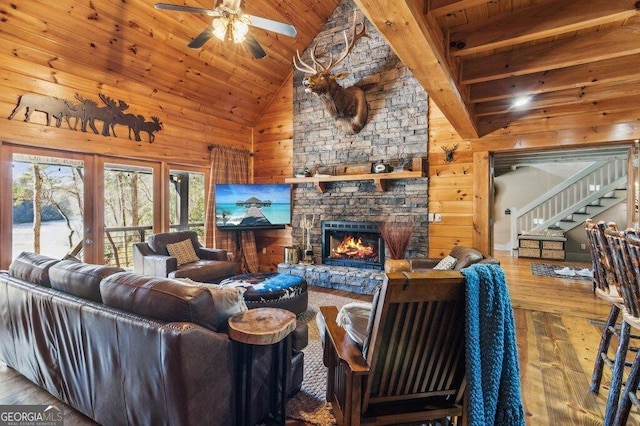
(220, 27)
(230, 24)
(240, 29)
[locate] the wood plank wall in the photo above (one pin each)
(61, 57)
(48, 63)
(273, 159)
(450, 186)
(460, 190)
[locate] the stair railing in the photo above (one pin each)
(578, 191)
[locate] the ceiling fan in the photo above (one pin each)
(230, 23)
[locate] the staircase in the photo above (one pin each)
(586, 194)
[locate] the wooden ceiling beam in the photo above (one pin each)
(538, 22)
(617, 69)
(399, 21)
(595, 46)
(444, 7)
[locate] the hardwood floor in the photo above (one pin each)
(558, 333)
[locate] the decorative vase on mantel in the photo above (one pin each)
(396, 236)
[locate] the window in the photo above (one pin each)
(128, 211)
(48, 205)
(187, 201)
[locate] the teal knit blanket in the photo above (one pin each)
(493, 372)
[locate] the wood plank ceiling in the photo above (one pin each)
(474, 57)
(477, 57)
(131, 45)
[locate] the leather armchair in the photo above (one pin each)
(465, 256)
(153, 258)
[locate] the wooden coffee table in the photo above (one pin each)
(262, 326)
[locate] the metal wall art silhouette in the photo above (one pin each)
(87, 112)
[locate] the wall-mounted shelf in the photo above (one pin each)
(379, 179)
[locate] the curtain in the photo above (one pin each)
(230, 165)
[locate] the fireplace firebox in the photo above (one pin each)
(355, 244)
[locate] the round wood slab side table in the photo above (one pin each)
(262, 326)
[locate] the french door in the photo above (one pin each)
(46, 204)
(93, 207)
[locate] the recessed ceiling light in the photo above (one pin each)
(521, 101)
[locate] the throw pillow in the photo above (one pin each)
(183, 251)
(227, 300)
(354, 317)
(446, 264)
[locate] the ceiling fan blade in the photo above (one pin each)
(179, 8)
(270, 25)
(254, 47)
(201, 38)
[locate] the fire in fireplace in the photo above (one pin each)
(356, 244)
(353, 248)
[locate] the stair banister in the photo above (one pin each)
(554, 205)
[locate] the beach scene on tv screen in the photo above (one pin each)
(257, 205)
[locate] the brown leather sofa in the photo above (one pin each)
(123, 348)
(152, 258)
(465, 256)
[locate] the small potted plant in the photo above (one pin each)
(396, 236)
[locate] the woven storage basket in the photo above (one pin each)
(553, 245)
(530, 244)
(528, 252)
(553, 254)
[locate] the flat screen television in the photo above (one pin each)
(252, 206)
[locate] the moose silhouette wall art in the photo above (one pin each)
(87, 112)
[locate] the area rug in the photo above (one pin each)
(310, 404)
(561, 271)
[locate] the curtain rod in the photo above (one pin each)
(242, 150)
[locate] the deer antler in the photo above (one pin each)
(349, 46)
(308, 69)
(315, 55)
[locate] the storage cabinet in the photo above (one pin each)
(542, 246)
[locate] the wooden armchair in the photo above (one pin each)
(412, 367)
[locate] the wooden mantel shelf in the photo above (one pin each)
(379, 179)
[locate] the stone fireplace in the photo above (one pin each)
(355, 244)
(397, 128)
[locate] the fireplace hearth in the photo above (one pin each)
(353, 244)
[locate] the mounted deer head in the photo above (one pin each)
(347, 106)
(448, 152)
